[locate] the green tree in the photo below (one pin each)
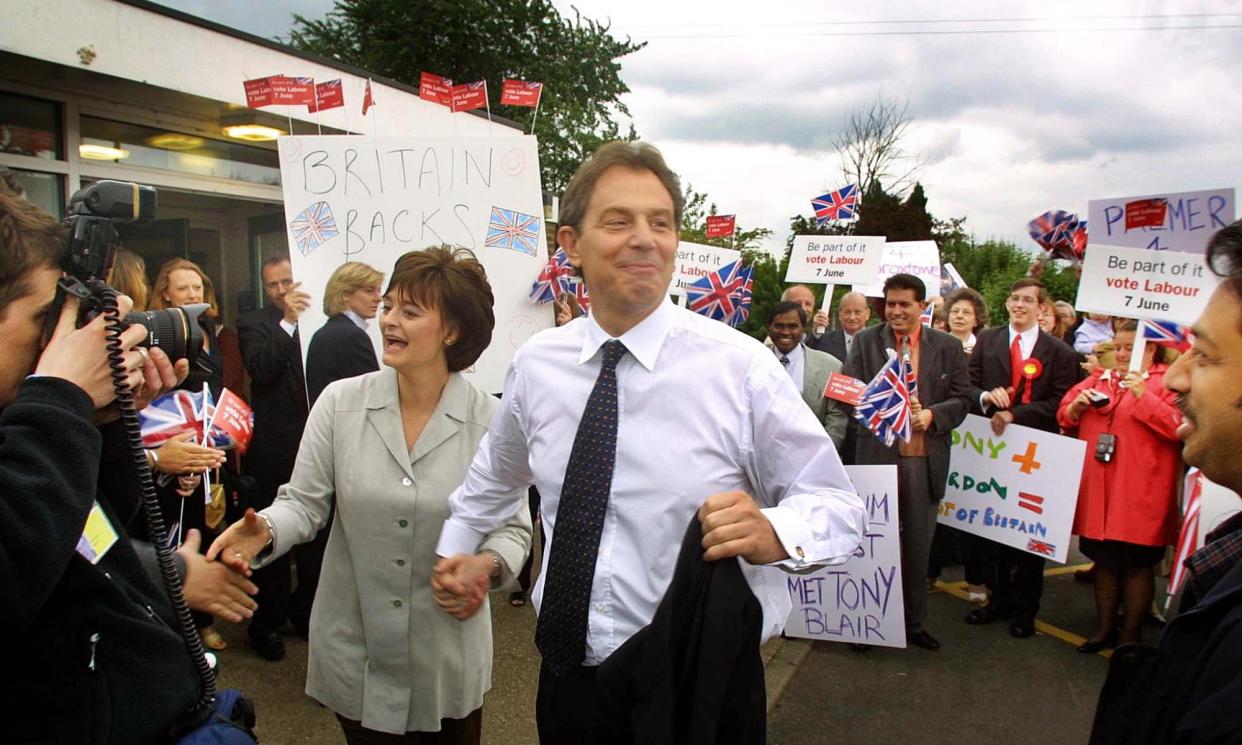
(576, 59)
(992, 266)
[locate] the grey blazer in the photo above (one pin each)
(944, 387)
(381, 651)
(832, 414)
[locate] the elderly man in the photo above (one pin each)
(1187, 689)
(808, 368)
(631, 423)
(852, 316)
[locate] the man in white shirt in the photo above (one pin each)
(630, 422)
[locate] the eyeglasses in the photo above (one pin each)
(278, 283)
(1023, 300)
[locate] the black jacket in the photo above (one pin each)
(90, 653)
(989, 368)
(338, 350)
(277, 395)
(693, 675)
(1187, 690)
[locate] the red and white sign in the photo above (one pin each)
(721, 226)
(1146, 213)
(469, 96)
(520, 93)
(435, 88)
(292, 91)
(845, 389)
(258, 92)
(329, 95)
(367, 99)
(234, 418)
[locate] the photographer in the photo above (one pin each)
(92, 654)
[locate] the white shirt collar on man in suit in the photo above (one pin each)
(358, 320)
(1029, 337)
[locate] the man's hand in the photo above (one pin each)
(821, 320)
(733, 526)
(211, 587)
(180, 454)
(922, 420)
(1000, 420)
(297, 300)
(241, 542)
(460, 582)
(159, 376)
(998, 397)
(80, 356)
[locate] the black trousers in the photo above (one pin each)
(565, 708)
(1016, 578)
(274, 581)
(524, 576)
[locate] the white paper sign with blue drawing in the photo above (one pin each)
(373, 199)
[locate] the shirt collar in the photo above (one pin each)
(794, 354)
(358, 320)
(915, 335)
(643, 341)
(1030, 334)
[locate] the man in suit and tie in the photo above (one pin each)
(808, 368)
(852, 316)
(1019, 375)
(272, 351)
(923, 462)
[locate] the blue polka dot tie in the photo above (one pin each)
(561, 632)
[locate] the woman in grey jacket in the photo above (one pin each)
(389, 447)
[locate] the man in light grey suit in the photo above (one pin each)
(809, 368)
(922, 463)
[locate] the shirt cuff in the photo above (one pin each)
(289, 328)
(456, 538)
(795, 536)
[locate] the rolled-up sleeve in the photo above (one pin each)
(801, 485)
(494, 488)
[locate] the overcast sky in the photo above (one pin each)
(1017, 107)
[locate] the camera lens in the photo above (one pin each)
(174, 330)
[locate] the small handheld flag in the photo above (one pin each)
(885, 405)
(841, 204)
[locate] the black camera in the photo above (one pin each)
(1105, 447)
(94, 213)
(1098, 398)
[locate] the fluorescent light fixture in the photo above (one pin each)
(252, 132)
(101, 152)
(175, 141)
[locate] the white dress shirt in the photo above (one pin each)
(358, 320)
(1027, 339)
(797, 363)
(849, 343)
(703, 409)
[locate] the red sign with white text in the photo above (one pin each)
(520, 93)
(1146, 213)
(258, 92)
(721, 226)
(845, 389)
(329, 95)
(435, 88)
(468, 96)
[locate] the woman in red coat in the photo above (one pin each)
(1127, 504)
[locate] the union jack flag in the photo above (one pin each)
(1056, 231)
(841, 204)
(584, 297)
(885, 405)
(719, 294)
(743, 303)
(171, 414)
(1188, 538)
(1078, 239)
(553, 280)
(1167, 333)
(927, 315)
(514, 230)
(313, 227)
(1040, 547)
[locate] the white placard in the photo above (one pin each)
(1138, 283)
(835, 259)
(920, 258)
(861, 600)
(1191, 219)
(1216, 505)
(694, 261)
(1019, 489)
(391, 195)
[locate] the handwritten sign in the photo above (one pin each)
(1139, 283)
(373, 199)
(859, 601)
(1019, 489)
(920, 258)
(835, 259)
(1186, 222)
(694, 261)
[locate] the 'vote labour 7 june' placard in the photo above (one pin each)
(1019, 489)
(835, 259)
(858, 601)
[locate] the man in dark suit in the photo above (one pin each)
(808, 368)
(852, 316)
(923, 462)
(341, 348)
(1029, 395)
(271, 349)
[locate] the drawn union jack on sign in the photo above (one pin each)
(1039, 547)
(313, 227)
(513, 230)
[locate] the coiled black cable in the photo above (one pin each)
(156, 529)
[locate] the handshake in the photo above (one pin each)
(460, 583)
